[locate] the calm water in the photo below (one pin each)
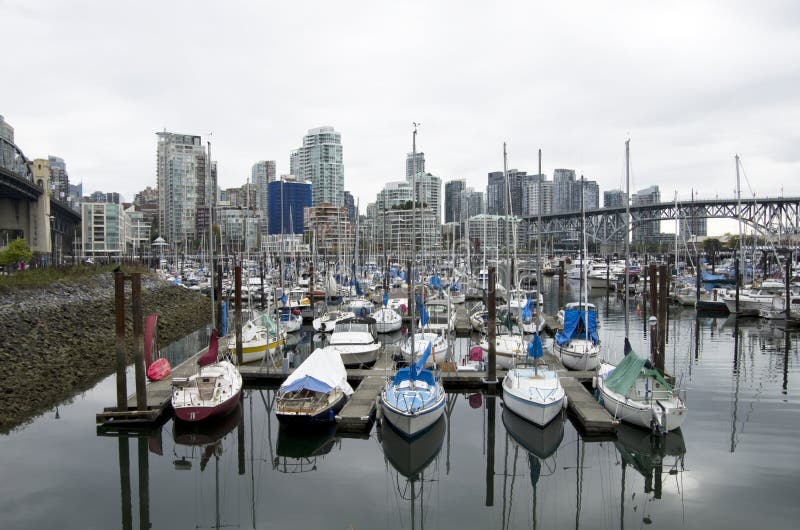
(733, 465)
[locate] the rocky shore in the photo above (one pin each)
(59, 341)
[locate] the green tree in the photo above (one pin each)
(16, 251)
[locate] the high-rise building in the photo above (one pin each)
(614, 199)
(261, 174)
(330, 227)
(452, 200)
(536, 190)
(410, 164)
(6, 130)
(591, 194)
(646, 230)
(319, 160)
(496, 193)
(563, 188)
(350, 204)
(394, 194)
(185, 185)
(106, 229)
(471, 203)
(59, 179)
(429, 193)
(287, 200)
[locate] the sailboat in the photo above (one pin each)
(387, 319)
(534, 393)
(413, 399)
(212, 392)
(577, 344)
(634, 391)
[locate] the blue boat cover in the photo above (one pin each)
(307, 383)
(574, 327)
(423, 313)
(535, 347)
(527, 313)
(385, 299)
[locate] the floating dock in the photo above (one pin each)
(359, 412)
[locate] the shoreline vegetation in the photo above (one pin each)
(59, 335)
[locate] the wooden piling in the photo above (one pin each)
(238, 313)
(119, 308)
(652, 271)
(138, 340)
(491, 377)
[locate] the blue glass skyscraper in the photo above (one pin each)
(287, 199)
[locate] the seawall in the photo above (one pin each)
(59, 341)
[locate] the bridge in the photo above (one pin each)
(28, 209)
(767, 216)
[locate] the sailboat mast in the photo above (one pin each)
(739, 217)
(627, 224)
(539, 233)
(209, 198)
(506, 205)
(413, 239)
(584, 284)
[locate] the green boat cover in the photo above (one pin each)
(623, 377)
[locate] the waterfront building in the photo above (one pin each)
(261, 174)
(319, 161)
(452, 200)
(185, 185)
(330, 227)
(288, 198)
(401, 228)
(493, 231)
(239, 228)
(106, 229)
(394, 194)
(420, 167)
(139, 232)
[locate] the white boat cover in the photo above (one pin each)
(322, 371)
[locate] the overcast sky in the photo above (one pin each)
(690, 83)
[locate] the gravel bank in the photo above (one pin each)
(59, 341)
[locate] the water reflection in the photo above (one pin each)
(298, 451)
(409, 460)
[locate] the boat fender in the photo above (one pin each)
(594, 382)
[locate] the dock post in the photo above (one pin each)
(119, 307)
(138, 340)
(491, 377)
(663, 308)
(788, 284)
(738, 281)
(144, 483)
(490, 413)
(238, 313)
(653, 294)
(698, 276)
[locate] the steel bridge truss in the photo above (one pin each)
(768, 216)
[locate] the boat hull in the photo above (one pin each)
(411, 425)
(200, 413)
(325, 416)
(579, 355)
(536, 413)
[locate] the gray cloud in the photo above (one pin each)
(691, 83)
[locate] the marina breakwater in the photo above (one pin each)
(59, 340)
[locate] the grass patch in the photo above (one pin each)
(80, 274)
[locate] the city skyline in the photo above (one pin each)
(686, 104)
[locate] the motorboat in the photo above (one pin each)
(212, 392)
(315, 391)
(356, 341)
(328, 320)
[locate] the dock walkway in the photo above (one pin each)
(359, 412)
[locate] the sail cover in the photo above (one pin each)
(322, 371)
(574, 322)
(624, 376)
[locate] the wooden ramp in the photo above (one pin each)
(359, 412)
(591, 416)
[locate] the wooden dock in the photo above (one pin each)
(359, 412)
(592, 418)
